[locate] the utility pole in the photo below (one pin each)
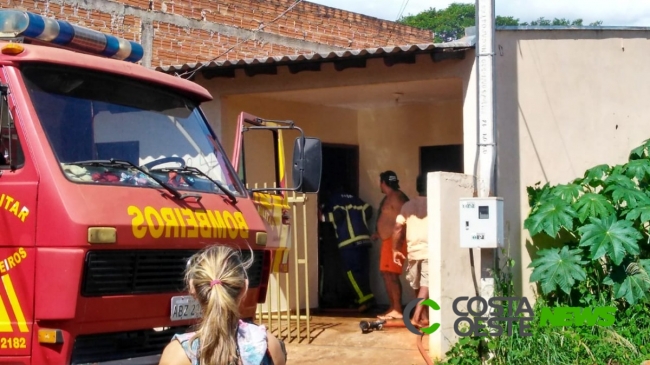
(485, 20)
(486, 105)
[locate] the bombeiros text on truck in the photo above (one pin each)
(110, 179)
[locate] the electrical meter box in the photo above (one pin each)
(481, 222)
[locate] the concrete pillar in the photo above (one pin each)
(147, 42)
(450, 274)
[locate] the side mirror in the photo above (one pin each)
(307, 164)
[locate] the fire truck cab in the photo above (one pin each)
(110, 178)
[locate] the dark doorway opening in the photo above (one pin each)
(340, 166)
(448, 158)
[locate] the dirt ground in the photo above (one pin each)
(337, 339)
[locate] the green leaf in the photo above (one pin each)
(609, 236)
(641, 151)
(567, 193)
(637, 168)
(550, 218)
(593, 205)
(492, 345)
(536, 195)
(630, 280)
(596, 173)
(642, 211)
(558, 268)
(577, 181)
(620, 180)
(631, 196)
(617, 170)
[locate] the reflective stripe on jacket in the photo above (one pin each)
(350, 216)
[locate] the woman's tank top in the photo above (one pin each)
(250, 338)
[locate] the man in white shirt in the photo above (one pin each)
(411, 226)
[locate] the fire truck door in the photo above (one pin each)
(274, 209)
(273, 206)
(18, 190)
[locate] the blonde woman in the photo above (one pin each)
(216, 277)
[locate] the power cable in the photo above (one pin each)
(405, 3)
(400, 8)
(254, 33)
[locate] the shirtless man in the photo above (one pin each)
(389, 209)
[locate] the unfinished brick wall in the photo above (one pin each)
(175, 32)
(306, 21)
(125, 26)
(174, 45)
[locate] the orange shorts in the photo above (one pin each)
(386, 263)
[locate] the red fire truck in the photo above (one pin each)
(110, 178)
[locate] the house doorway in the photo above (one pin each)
(340, 166)
(447, 158)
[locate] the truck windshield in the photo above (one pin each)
(91, 116)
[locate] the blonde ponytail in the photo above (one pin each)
(217, 277)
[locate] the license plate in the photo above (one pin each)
(185, 307)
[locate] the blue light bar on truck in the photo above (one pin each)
(60, 32)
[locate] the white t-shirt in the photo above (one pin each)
(414, 215)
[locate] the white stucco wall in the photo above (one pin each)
(567, 100)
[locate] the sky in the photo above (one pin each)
(613, 13)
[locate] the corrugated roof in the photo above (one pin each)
(469, 41)
(466, 42)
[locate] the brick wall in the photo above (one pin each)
(307, 21)
(187, 31)
(128, 27)
(174, 45)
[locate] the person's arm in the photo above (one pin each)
(173, 354)
(368, 211)
(376, 234)
(403, 198)
(324, 213)
(333, 216)
(399, 236)
(381, 206)
(324, 217)
(278, 353)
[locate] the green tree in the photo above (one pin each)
(506, 21)
(449, 24)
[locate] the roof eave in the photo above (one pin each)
(469, 41)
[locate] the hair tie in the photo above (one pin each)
(215, 282)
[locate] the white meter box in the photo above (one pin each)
(481, 222)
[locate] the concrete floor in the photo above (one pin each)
(338, 339)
